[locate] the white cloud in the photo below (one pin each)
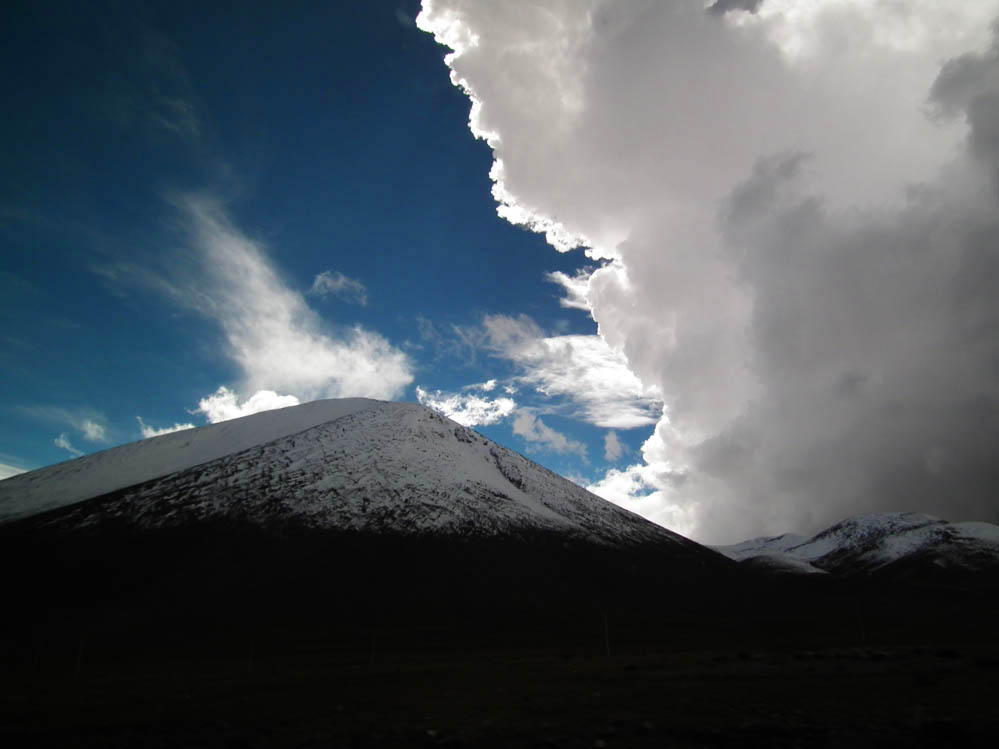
(631, 489)
(150, 431)
(177, 116)
(486, 387)
(63, 441)
(224, 404)
(7, 470)
(334, 283)
(93, 431)
(536, 432)
(582, 368)
(468, 410)
(613, 449)
(91, 425)
(575, 288)
(279, 343)
(802, 261)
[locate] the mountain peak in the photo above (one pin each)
(350, 465)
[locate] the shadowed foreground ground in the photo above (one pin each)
(863, 696)
(232, 639)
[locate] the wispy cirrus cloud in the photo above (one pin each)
(334, 283)
(538, 434)
(581, 369)
(278, 342)
(63, 441)
(283, 349)
(90, 424)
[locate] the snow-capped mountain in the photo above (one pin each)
(346, 465)
(331, 515)
(878, 543)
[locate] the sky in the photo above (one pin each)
(730, 265)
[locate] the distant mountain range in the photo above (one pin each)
(904, 545)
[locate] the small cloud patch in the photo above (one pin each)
(224, 404)
(334, 283)
(63, 441)
(150, 431)
(536, 432)
(613, 449)
(467, 409)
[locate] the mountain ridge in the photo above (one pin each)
(877, 544)
(381, 467)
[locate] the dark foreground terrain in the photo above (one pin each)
(228, 637)
(840, 697)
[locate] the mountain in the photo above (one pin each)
(355, 465)
(902, 545)
(329, 516)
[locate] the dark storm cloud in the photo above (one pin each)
(876, 340)
(968, 86)
(721, 7)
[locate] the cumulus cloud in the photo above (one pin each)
(613, 449)
(225, 404)
(93, 431)
(279, 343)
(150, 431)
(334, 283)
(63, 441)
(795, 212)
(582, 368)
(539, 434)
(467, 409)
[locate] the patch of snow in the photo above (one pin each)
(978, 531)
(763, 545)
(778, 562)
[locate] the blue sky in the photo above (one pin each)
(730, 265)
(332, 141)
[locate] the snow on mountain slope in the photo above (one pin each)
(392, 467)
(137, 462)
(869, 543)
(763, 545)
(781, 563)
(885, 535)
